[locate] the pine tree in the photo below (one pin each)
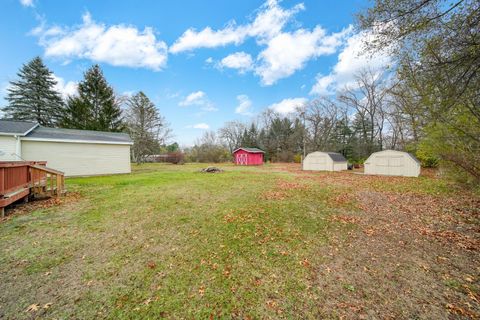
(77, 115)
(33, 97)
(95, 107)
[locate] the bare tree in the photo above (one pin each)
(231, 133)
(321, 118)
(146, 126)
(367, 100)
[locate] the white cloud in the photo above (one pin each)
(209, 60)
(27, 3)
(287, 53)
(198, 98)
(351, 61)
(118, 45)
(65, 88)
(288, 105)
(202, 126)
(244, 105)
(269, 21)
(194, 98)
(239, 60)
(207, 38)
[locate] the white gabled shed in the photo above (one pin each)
(324, 161)
(392, 163)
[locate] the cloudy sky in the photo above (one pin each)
(201, 62)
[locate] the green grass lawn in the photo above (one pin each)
(170, 242)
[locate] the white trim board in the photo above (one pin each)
(74, 141)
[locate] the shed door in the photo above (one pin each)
(382, 164)
(242, 159)
(319, 162)
(396, 165)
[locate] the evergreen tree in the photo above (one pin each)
(95, 107)
(33, 97)
(77, 115)
(250, 137)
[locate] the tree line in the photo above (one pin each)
(95, 106)
(359, 120)
(427, 104)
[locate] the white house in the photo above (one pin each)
(75, 152)
(392, 163)
(324, 161)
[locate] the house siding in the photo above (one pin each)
(8, 148)
(79, 159)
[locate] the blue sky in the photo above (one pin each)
(201, 62)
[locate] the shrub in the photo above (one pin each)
(297, 158)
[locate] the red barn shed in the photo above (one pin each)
(248, 156)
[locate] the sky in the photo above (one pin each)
(201, 62)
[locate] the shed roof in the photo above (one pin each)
(13, 127)
(411, 156)
(336, 157)
(252, 150)
(78, 135)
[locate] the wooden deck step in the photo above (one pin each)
(14, 193)
(11, 198)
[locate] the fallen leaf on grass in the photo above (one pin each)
(151, 265)
(454, 309)
(271, 304)
(201, 291)
(305, 263)
(47, 305)
(274, 195)
(33, 307)
(344, 219)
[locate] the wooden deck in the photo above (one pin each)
(26, 179)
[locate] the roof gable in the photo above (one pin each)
(252, 150)
(16, 128)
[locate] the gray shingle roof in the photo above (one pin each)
(24, 128)
(253, 150)
(337, 157)
(16, 127)
(73, 134)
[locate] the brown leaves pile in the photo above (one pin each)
(345, 219)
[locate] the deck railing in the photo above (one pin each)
(21, 179)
